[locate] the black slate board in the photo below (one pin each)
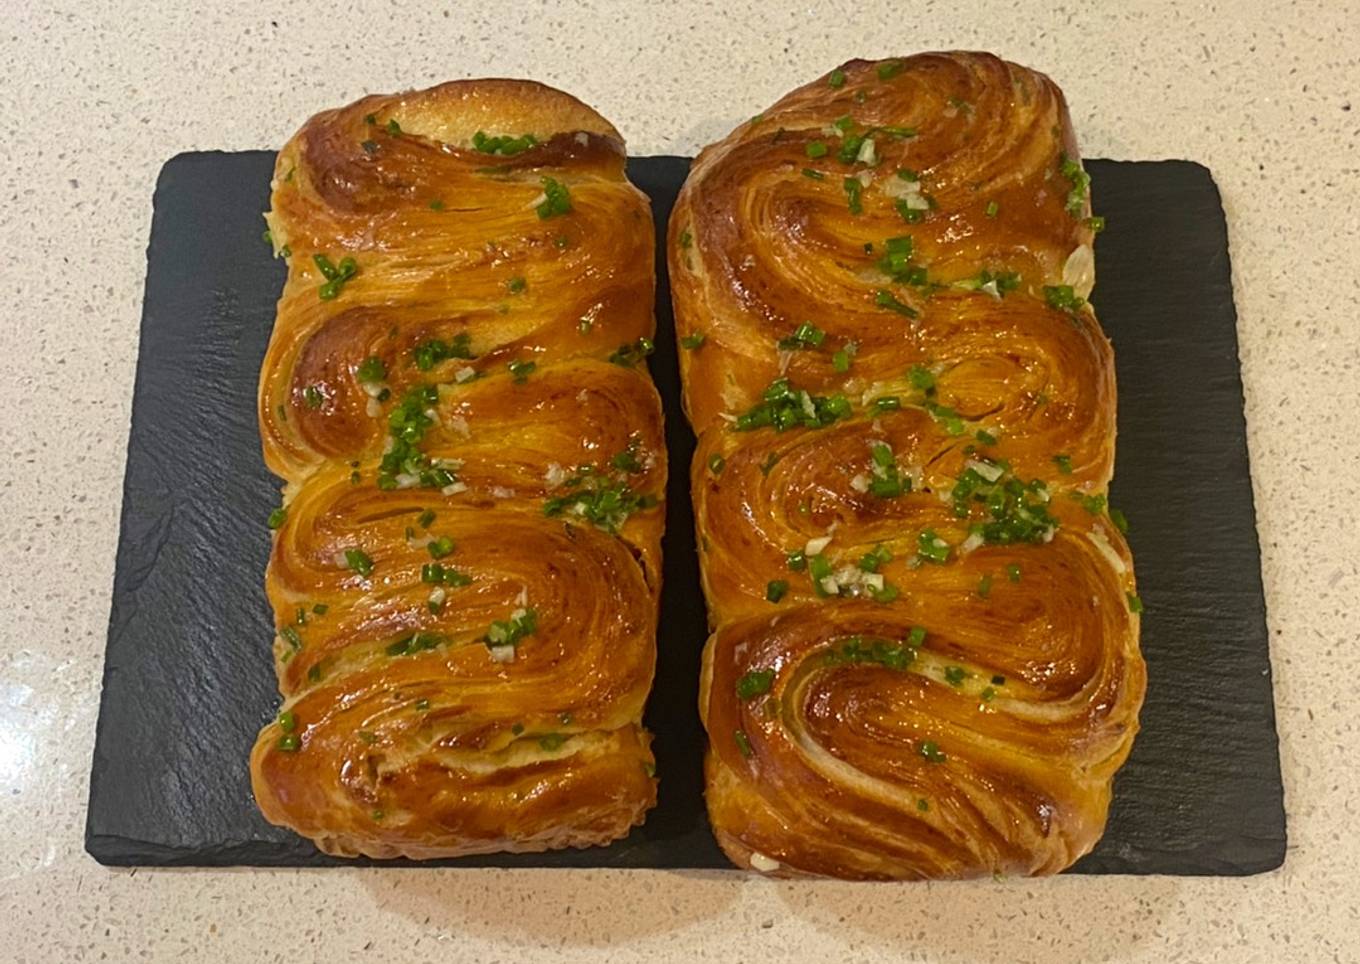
(188, 678)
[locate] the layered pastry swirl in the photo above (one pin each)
(465, 567)
(925, 655)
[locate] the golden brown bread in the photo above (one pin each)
(465, 572)
(926, 659)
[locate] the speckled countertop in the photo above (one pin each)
(96, 95)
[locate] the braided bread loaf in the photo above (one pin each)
(926, 659)
(465, 571)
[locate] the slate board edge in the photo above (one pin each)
(104, 848)
(1276, 858)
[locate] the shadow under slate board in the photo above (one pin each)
(188, 678)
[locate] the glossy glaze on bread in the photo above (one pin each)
(925, 661)
(465, 571)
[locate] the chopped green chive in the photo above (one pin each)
(1064, 463)
(416, 642)
(875, 559)
(288, 721)
(887, 594)
(887, 481)
(277, 517)
(716, 463)
(840, 361)
(291, 637)
(806, 335)
(784, 407)
(556, 201)
(1135, 604)
(599, 501)
(743, 743)
(359, 561)
(693, 342)
(404, 464)
(1096, 223)
(312, 396)
(923, 804)
(508, 632)
(435, 350)
(1120, 521)
(289, 743)
(922, 379)
(896, 262)
(931, 547)
(441, 547)
(516, 285)
(954, 675)
(686, 239)
(437, 205)
(1094, 504)
(837, 79)
(853, 191)
(987, 695)
(916, 637)
(885, 299)
(627, 459)
(335, 275)
(947, 417)
(992, 209)
(320, 609)
(521, 370)
(857, 650)
(504, 145)
(796, 560)
(371, 369)
(886, 403)
(776, 589)
(631, 353)
(425, 518)
(985, 437)
(984, 588)
(1072, 170)
(890, 69)
(932, 752)
(1063, 298)
(995, 283)
(755, 683)
(1013, 572)
(815, 149)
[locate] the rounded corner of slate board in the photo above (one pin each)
(189, 627)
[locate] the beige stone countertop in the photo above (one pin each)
(97, 94)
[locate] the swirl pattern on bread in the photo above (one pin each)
(925, 661)
(465, 570)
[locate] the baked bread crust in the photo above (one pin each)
(925, 661)
(465, 573)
